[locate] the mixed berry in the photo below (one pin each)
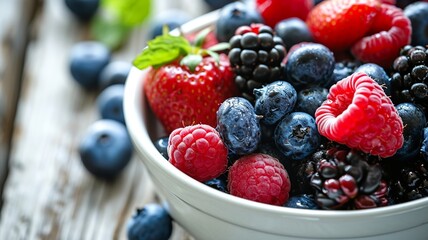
(322, 106)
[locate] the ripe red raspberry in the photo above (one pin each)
(261, 178)
(198, 151)
(358, 113)
(390, 31)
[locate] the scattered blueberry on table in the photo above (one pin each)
(83, 9)
(110, 103)
(106, 148)
(152, 222)
(87, 60)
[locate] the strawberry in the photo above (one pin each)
(273, 11)
(338, 24)
(184, 84)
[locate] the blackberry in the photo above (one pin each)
(409, 79)
(347, 179)
(256, 54)
(408, 180)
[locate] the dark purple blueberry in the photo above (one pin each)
(83, 9)
(304, 201)
(417, 12)
(309, 99)
(87, 60)
(311, 64)
(424, 147)
(216, 4)
(110, 103)
(173, 18)
(274, 101)
(238, 125)
(378, 74)
(296, 135)
(218, 184)
(232, 16)
(293, 31)
(414, 121)
(152, 222)
(161, 144)
(342, 70)
(105, 148)
(116, 72)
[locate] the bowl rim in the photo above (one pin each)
(135, 115)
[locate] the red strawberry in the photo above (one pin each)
(338, 24)
(273, 11)
(391, 30)
(358, 113)
(183, 86)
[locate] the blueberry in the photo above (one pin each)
(161, 144)
(152, 222)
(424, 148)
(414, 121)
(378, 74)
(309, 99)
(292, 31)
(110, 103)
(271, 150)
(217, 183)
(216, 4)
(87, 60)
(303, 201)
(106, 148)
(232, 16)
(417, 13)
(83, 9)
(311, 64)
(173, 18)
(115, 72)
(296, 135)
(274, 101)
(342, 69)
(238, 125)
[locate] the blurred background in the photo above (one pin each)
(47, 193)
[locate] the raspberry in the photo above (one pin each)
(357, 113)
(261, 178)
(391, 30)
(198, 151)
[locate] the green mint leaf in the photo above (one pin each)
(129, 12)
(162, 50)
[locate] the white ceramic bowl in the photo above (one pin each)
(207, 213)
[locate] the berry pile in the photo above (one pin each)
(331, 113)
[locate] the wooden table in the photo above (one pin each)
(46, 191)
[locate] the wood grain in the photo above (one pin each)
(48, 193)
(15, 18)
